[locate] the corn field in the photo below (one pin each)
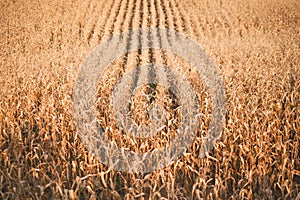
(254, 44)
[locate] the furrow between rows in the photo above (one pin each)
(120, 20)
(109, 25)
(89, 24)
(99, 30)
(188, 28)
